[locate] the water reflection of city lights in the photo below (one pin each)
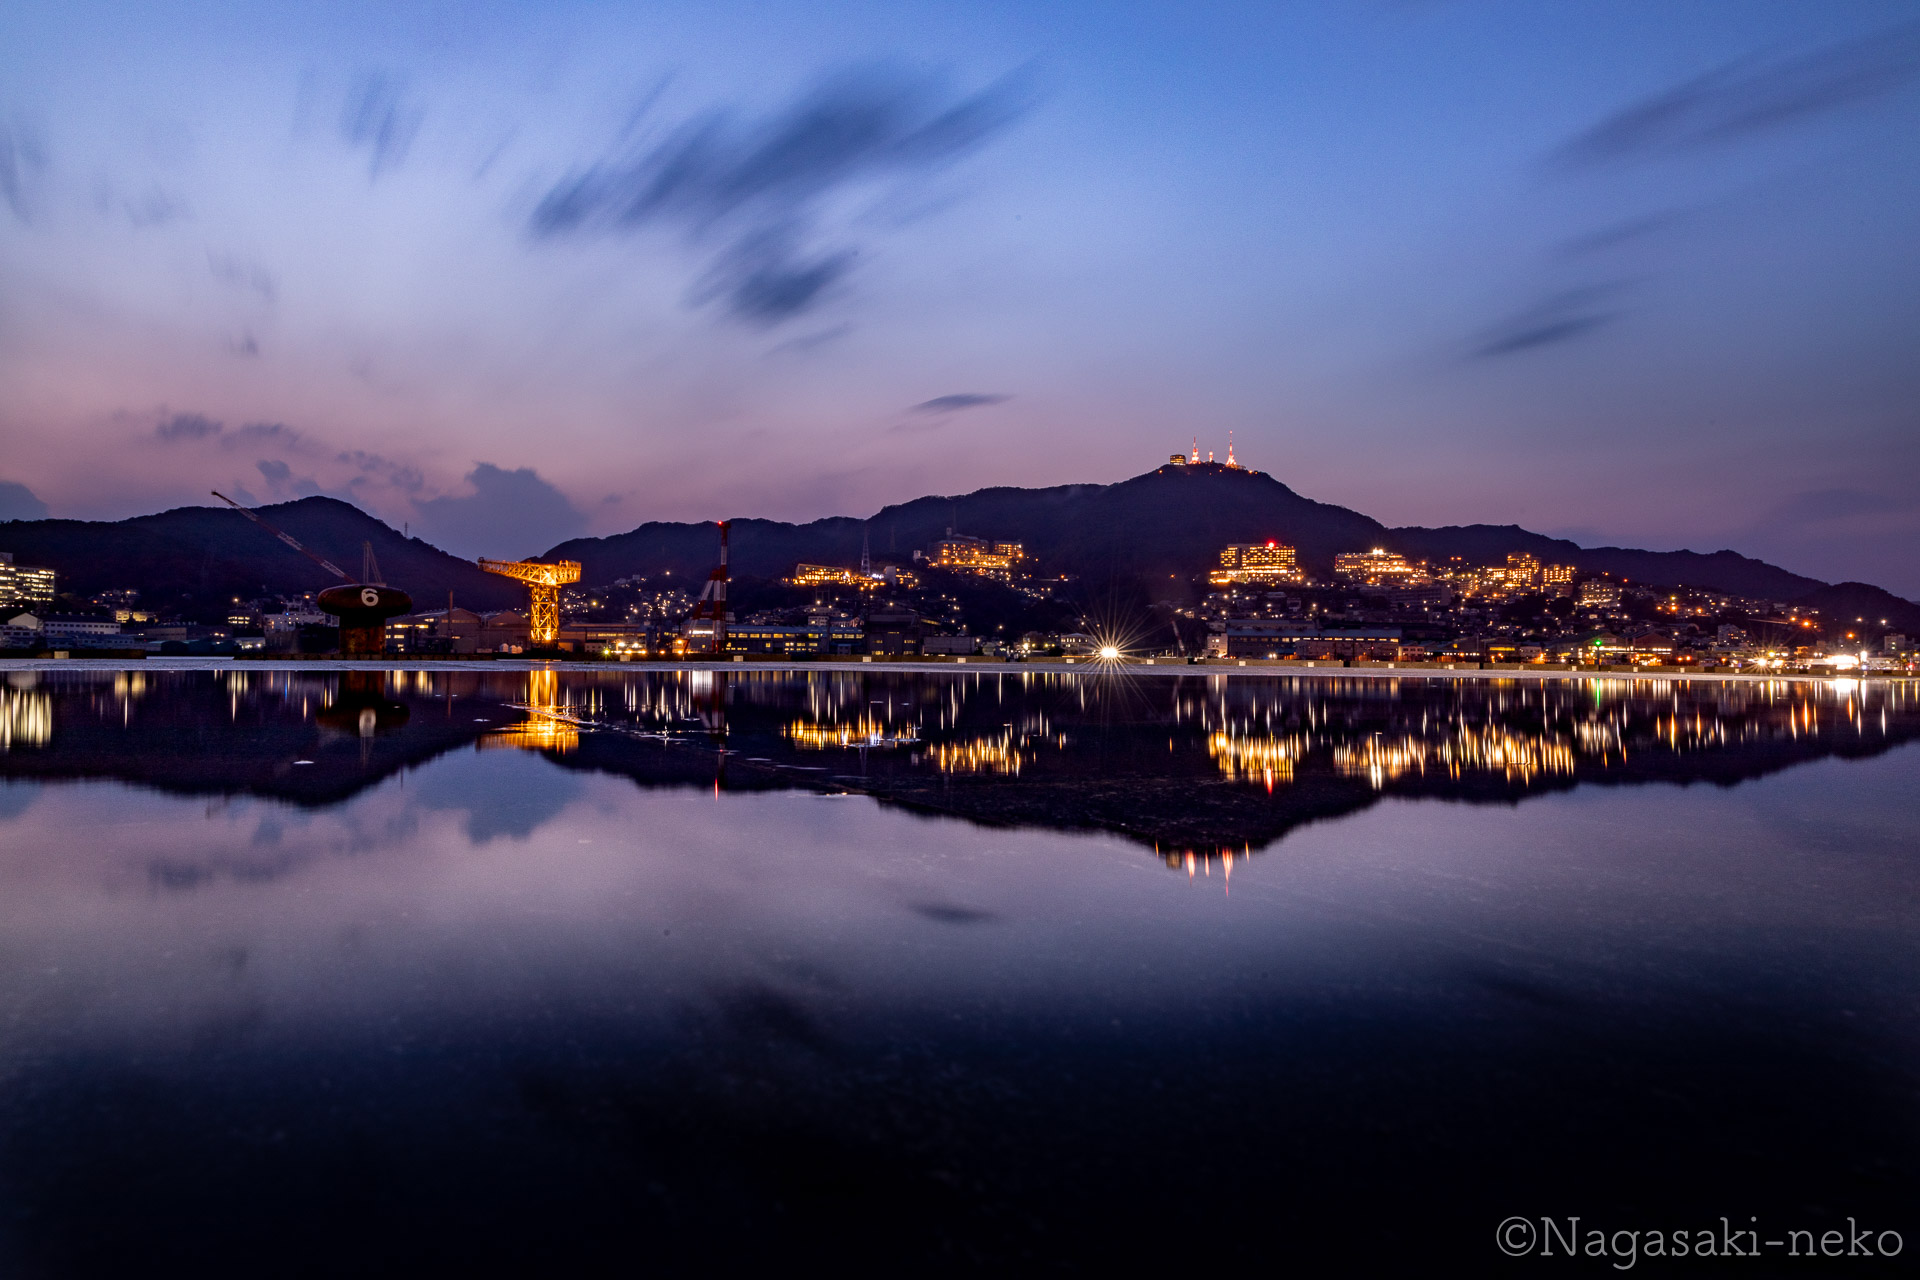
(1001, 755)
(865, 731)
(1267, 760)
(535, 733)
(26, 718)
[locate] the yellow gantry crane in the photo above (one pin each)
(543, 583)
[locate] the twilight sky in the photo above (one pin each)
(1629, 272)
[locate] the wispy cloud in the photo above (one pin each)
(1744, 99)
(151, 208)
(187, 426)
(379, 116)
(259, 433)
(811, 341)
(241, 274)
(1620, 234)
(1570, 314)
(958, 401)
(372, 466)
(753, 197)
(22, 158)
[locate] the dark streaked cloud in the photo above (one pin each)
(1744, 99)
(22, 158)
(948, 913)
(241, 274)
(751, 196)
(283, 483)
(17, 502)
(811, 341)
(510, 513)
(372, 466)
(152, 208)
(379, 117)
(10, 189)
(769, 276)
(188, 426)
(1616, 235)
(1560, 318)
(959, 400)
(259, 433)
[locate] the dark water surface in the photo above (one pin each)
(563, 974)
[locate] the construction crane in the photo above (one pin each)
(543, 584)
(707, 624)
(363, 607)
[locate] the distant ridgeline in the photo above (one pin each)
(214, 555)
(1160, 531)
(1164, 530)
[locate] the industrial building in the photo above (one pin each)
(823, 637)
(894, 632)
(283, 629)
(453, 631)
(81, 632)
(21, 631)
(435, 631)
(1254, 638)
(614, 639)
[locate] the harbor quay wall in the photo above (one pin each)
(1132, 667)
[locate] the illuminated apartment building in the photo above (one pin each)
(1377, 567)
(1523, 572)
(962, 553)
(18, 582)
(826, 575)
(1598, 593)
(1262, 563)
(1557, 579)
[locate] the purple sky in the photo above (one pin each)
(1636, 273)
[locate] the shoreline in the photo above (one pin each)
(1330, 669)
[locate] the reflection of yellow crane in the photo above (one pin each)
(543, 582)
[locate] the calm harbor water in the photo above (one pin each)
(323, 973)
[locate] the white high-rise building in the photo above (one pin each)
(20, 582)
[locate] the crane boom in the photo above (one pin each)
(543, 587)
(287, 538)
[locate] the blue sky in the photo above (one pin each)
(1636, 273)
